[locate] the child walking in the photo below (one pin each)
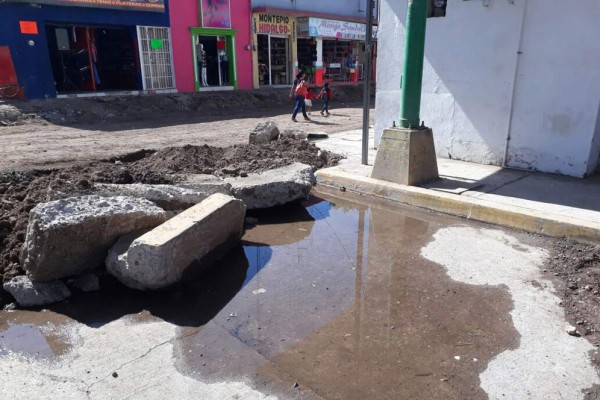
(309, 98)
(325, 95)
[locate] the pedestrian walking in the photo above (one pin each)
(325, 95)
(300, 91)
(310, 95)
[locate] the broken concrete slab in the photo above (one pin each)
(31, 294)
(196, 237)
(296, 134)
(264, 132)
(209, 184)
(71, 236)
(274, 187)
(169, 197)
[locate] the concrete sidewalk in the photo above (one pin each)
(552, 205)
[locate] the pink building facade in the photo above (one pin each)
(212, 44)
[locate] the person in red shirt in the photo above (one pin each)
(300, 91)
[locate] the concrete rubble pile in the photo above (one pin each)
(147, 236)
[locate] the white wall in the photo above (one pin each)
(472, 68)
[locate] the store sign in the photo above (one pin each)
(216, 14)
(137, 5)
(328, 28)
(274, 24)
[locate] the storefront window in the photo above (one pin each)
(273, 60)
(340, 58)
(90, 59)
(214, 58)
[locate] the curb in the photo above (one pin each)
(523, 218)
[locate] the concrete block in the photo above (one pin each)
(71, 236)
(274, 187)
(31, 294)
(264, 133)
(169, 197)
(196, 237)
(406, 156)
(295, 134)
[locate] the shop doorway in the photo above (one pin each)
(273, 60)
(88, 59)
(214, 55)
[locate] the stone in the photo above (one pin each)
(274, 187)
(72, 236)
(85, 283)
(571, 330)
(31, 294)
(264, 133)
(195, 238)
(169, 197)
(295, 134)
(406, 156)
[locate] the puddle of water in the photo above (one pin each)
(329, 300)
(350, 310)
(30, 334)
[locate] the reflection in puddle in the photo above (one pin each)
(352, 311)
(331, 299)
(29, 334)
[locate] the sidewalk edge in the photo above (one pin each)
(529, 220)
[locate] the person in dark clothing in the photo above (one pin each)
(325, 95)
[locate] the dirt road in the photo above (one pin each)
(43, 144)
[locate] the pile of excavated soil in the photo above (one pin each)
(21, 191)
(92, 110)
(576, 269)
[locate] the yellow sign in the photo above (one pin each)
(273, 24)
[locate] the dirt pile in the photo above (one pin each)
(577, 267)
(20, 191)
(130, 108)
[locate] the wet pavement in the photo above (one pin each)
(332, 299)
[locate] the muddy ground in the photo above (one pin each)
(41, 134)
(21, 191)
(575, 268)
(61, 147)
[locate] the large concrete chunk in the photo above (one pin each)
(274, 187)
(31, 294)
(71, 236)
(170, 197)
(295, 134)
(197, 236)
(264, 133)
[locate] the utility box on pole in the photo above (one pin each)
(436, 8)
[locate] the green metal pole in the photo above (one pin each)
(412, 71)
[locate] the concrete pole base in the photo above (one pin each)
(406, 156)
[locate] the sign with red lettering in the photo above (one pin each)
(327, 28)
(216, 14)
(28, 27)
(137, 5)
(272, 24)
